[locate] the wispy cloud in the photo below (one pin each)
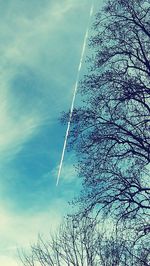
(30, 36)
(22, 230)
(40, 44)
(29, 33)
(68, 173)
(14, 132)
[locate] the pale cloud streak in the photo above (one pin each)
(34, 42)
(68, 173)
(16, 128)
(20, 231)
(29, 36)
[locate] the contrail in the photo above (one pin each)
(74, 94)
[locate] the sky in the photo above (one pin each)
(40, 48)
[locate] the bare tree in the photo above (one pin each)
(74, 244)
(86, 243)
(110, 132)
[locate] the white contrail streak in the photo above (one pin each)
(74, 95)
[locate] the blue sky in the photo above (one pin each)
(41, 42)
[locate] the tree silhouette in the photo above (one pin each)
(111, 137)
(110, 132)
(84, 243)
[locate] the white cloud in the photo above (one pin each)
(20, 231)
(68, 173)
(30, 36)
(8, 261)
(15, 130)
(24, 39)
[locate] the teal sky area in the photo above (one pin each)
(40, 48)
